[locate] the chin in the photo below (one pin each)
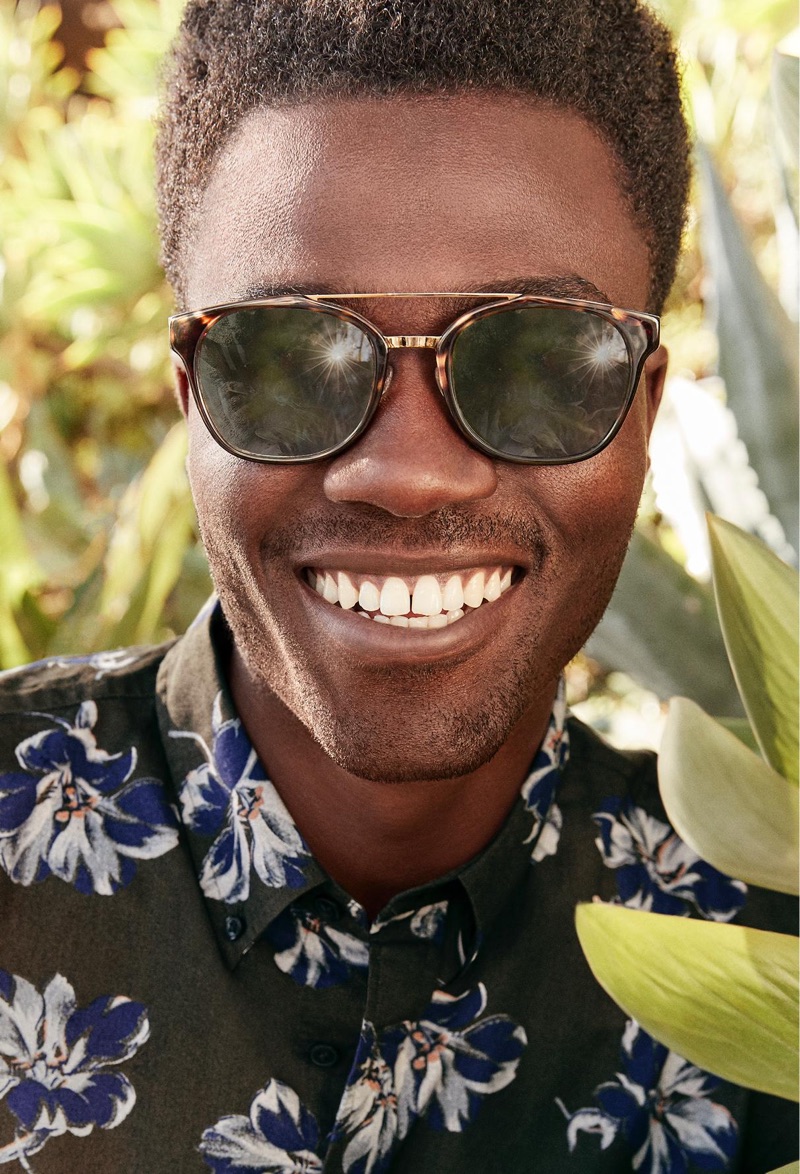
(437, 743)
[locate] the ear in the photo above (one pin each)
(655, 373)
(181, 384)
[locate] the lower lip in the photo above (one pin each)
(371, 641)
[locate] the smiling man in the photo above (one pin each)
(296, 892)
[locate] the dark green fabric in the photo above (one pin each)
(224, 1019)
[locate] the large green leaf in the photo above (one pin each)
(722, 996)
(661, 628)
(757, 351)
(733, 809)
(792, 1168)
(757, 601)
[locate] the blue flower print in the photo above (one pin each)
(539, 789)
(312, 953)
(657, 871)
(439, 1067)
(54, 1058)
(74, 814)
(231, 798)
(279, 1136)
(660, 1104)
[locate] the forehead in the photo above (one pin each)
(422, 193)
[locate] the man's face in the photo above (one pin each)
(430, 194)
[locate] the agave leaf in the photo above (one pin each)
(722, 996)
(757, 351)
(661, 628)
(729, 806)
(757, 601)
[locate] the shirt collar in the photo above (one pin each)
(250, 859)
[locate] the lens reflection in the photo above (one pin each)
(541, 382)
(285, 381)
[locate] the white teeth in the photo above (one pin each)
(453, 594)
(427, 600)
(348, 596)
(491, 591)
(395, 598)
(421, 603)
(369, 597)
(473, 591)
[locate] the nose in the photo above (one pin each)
(411, 460)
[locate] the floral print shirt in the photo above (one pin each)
(183, 988)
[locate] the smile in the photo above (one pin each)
(424, 601)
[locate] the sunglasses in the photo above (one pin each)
(538, 380)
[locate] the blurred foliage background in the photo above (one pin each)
(98, 545)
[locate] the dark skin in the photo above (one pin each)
(400, 753)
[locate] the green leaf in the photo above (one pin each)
(661, 628)
(792, 1168)
(757, 351)
(757, 601)
(722, 996)
(729, 806)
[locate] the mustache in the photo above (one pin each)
(448, 529)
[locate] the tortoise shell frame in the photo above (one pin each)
(640, 331)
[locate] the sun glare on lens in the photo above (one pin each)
(597, 350)
(337, 354)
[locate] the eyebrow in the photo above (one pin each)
(568, 285)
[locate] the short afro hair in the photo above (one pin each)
(611, 61)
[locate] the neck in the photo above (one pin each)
(377, 839)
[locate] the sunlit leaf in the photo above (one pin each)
(722, 996)
(728, 805)
(792, 1168)
(757, 600)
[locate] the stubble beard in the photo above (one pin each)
(407, 723)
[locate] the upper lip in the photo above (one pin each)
(378, 562)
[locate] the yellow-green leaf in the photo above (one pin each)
(722, 996)
(792, 1168)
(733, 809)
(757, 601)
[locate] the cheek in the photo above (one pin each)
(594, 503)
(235, 498)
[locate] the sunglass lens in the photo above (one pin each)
(541, 383)
(285, 381)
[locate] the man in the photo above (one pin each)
(296, 892)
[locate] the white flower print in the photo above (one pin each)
(53, 1061)
(74, 814)
(279, 1136)
(231, 798)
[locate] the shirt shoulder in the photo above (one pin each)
(63, 682)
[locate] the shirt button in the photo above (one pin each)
(234, 928)
(326, 909)
(323, 1055)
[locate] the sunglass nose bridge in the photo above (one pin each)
(396, 342)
